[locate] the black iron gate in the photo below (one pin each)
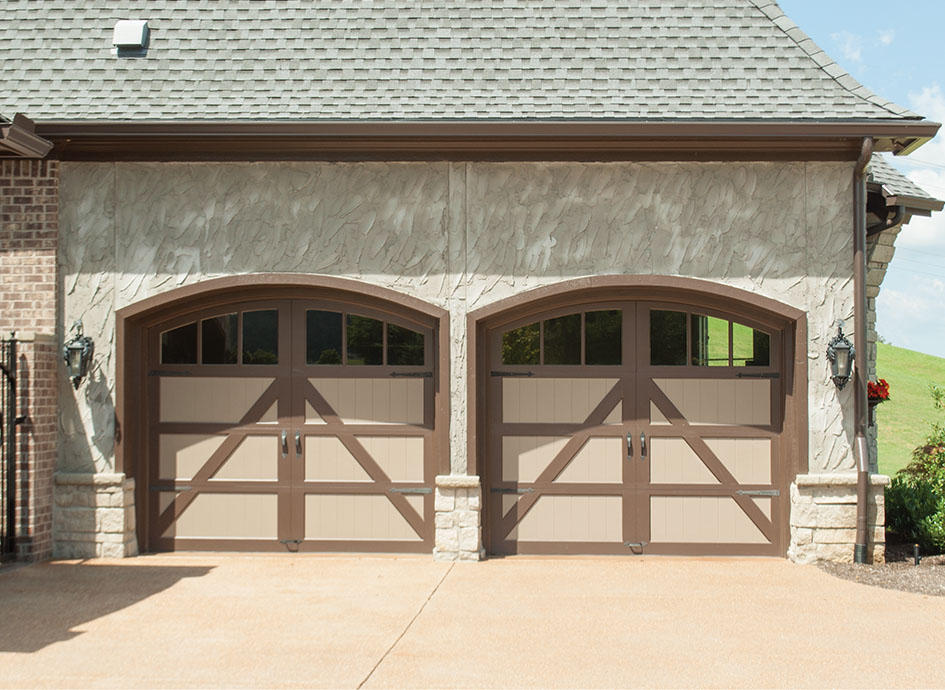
(8, 423)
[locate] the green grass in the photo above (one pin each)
(904, 419)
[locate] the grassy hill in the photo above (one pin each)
(903, 419)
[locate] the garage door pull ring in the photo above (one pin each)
(291, 544)
(635, 545)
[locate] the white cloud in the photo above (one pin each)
(909, 312)
(851, 45)
(886, 37)
(926, 167)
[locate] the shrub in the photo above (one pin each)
(915, 499)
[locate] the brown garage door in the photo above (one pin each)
(622, 427)
(291, 424)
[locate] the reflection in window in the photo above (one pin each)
(563, 340)
(404, 346)
(179, 346)
(603, 337)
(667, 338)
(261, 337)
(219, 339)
(750, 348)
(365, 340)
(522, 345)
(322, 337)
(709, 341)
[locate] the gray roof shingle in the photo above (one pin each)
(893, 181)
(417, 59)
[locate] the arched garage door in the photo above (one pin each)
(299, 424)
(634, 427)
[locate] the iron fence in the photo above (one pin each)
(8, 424)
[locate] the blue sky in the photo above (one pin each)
(893, 49)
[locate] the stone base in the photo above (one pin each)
(458, 507)
(94, 516)
(823, 518)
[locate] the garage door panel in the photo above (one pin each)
(227, 516)
(182, 455)
(673, 461)
(373, 401)
(719, 401)
(599, 461)
(357, 517)
(571, 518)
(555, 400)
(255, 458)
(701, 519)
(203, 399)
(748, 459)
(400, 457)
(524, 457)
(327, 459)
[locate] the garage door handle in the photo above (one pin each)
(629, 446)
(298, 444)
(642, 445)
(285, 443)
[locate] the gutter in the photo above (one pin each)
(860, 554)
(478, 139)
(18, 139)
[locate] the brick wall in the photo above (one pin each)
(29, 227)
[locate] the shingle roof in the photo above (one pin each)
(893, 182)
(419, 59)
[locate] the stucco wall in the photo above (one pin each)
(460, 235)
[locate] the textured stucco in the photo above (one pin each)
(459, 235)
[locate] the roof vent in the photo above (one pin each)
(131, 37)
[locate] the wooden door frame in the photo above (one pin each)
(651, 288)
(131, 369)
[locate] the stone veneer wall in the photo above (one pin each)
(29, 221)
(823, 518)
(458, 508)
(95, 516)
(460, 236)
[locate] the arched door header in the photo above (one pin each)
(230, 289)
(650, 288)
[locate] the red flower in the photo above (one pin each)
(877, 391)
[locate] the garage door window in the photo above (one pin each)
(711, 341)
(592, 337)
(363, 340)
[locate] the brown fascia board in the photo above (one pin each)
(18, 139)
(478, 139)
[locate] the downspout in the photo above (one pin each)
(861, 345)
(898, 216)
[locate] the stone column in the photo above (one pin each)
(458, 505)
(823, 518)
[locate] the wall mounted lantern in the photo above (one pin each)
(841, 354)
(77, 354)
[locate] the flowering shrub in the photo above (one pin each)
(877, 391)
(915, 500)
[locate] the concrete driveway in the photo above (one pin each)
(348, 622)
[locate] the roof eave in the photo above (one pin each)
(475, 139)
